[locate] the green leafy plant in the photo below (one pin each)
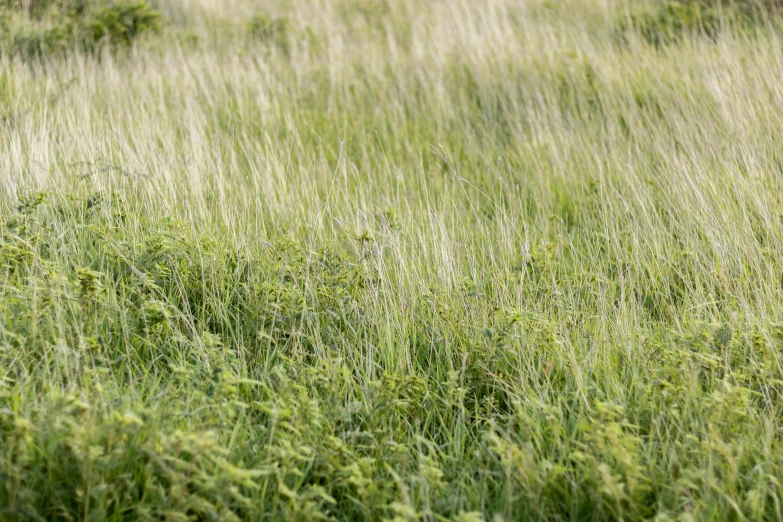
(119, 23)
(47, 28)
(672, 19)
(273, 32)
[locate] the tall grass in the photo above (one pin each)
(470, 260)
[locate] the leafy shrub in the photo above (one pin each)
(120, 23)
(758, 7)
(372, 13)
(44, 27)
(376, 16)
(38, 42)
(673, 19)
(273, 32)
(37, 9)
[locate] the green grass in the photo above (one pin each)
(442, 260)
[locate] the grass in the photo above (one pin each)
(464, 260)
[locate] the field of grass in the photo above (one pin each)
(475, 260)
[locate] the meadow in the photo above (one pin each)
(472, 260)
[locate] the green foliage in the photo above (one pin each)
(273, 32)
(36, 42)
(38, 9)
(119, 23)
(380, 17)
(748, 7)
(673, 19)
(374, 13)
(47, 27)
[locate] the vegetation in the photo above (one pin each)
(668, 21)
(343, 260)
(40, 28)
(271, 31)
